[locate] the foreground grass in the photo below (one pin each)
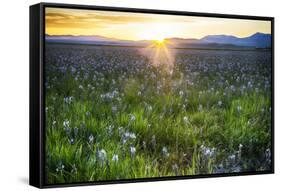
(120, 119)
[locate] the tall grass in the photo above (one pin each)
(110, 114)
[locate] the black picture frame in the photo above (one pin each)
(37, 92)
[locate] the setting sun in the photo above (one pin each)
(157, 32)
(160, 41)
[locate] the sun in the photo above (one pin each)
(160, 40)
(157, 32)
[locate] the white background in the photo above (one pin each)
(14, 88)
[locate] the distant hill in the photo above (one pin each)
(93, 39)
(257, 40)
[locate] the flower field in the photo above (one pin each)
(115, 113)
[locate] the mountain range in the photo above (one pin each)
(257, 40)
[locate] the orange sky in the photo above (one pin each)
(139, 26)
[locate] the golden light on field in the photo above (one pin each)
(160, 55)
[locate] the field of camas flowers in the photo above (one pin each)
(112, 114)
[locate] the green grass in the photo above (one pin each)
(205, 125)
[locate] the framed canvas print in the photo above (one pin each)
(127, 95)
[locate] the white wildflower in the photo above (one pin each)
(165, 152)
(132, 117)
(132, 151)
(181, 93)
(101, 155)
(239, 108)
(66, 123)
(115, 158)
(185, 119)
(91, 139)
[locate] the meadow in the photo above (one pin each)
(114, 113)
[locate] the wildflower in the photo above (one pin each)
(68, 100)
(181, 93)
(74, 169)
(132, 151)
(232, 158)
(66, 127)
(139, 93)
(250, 84)
(66, 123)
(132, 117)
(144, 144)
(149, 108)
(120, 130)
(110, 129)
(239, 108)
(268, 154)
(219, 103)
(185, 119)
(207, 152)
(91, 139)
(130, 135)
(101, 155)
(60, 167)
(109, 95)
(88, 113)
(240, 146)
(165, 152)
(71, 141)
(124, 141)
(115, 158)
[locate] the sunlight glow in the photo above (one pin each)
(160, 41)
(160, 55)
(157, 31)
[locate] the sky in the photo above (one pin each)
(140, 26)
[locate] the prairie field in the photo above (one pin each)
(115, 113)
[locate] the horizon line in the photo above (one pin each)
(156, 39)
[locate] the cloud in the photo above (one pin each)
(89, 20)
(103, 19)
